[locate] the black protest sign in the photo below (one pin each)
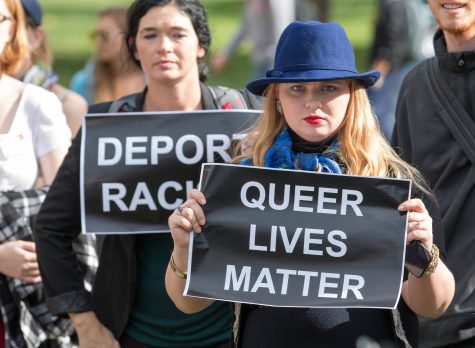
(299, 239)
(136, 168)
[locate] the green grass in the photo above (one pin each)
(69, 22)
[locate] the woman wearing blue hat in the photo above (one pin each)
(316, 103)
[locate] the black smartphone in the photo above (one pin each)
(417, 258)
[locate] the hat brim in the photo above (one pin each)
(367, 79)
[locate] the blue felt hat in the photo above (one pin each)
(33, 9)
(313, 51)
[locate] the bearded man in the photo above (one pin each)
(425, 136)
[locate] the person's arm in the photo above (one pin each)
(74, 106)
(50, 163)
(181, 224)
(18, 260)
(57, 225)
(91, 332)
(51, 135)
(431, 294)
(390, 30)
(220, 59)
(383, 65)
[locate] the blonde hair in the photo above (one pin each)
(104, 87)
(363, 148)
(16, 50)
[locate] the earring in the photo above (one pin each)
(278, 107)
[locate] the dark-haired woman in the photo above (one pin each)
(129, 304)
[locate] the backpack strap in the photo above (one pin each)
(222, 98)
(229, 98)
(253, 101)
(452, 113)
(124, 104)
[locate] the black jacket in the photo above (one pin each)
(424, 141)
(59, 222)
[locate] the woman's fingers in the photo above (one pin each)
(414, 226)
(189, 216)
(192, 211)
(414, 204)
(419, 221)
(186, 218)
(198, 196)
(420, 228)
(419, 217)
(421, 235)
(178, 220)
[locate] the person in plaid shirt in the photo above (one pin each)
(34, 138)
(28, 323)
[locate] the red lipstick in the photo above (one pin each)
(312, 119)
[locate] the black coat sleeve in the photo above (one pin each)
(57, 225)
(437, 229)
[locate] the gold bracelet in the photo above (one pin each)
(434, 261)
(175, 269)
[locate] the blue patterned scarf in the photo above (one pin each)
(281, 155)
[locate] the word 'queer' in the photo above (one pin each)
(254, 195)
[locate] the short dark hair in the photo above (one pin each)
(192, 8)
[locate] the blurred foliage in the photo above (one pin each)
(69, 22)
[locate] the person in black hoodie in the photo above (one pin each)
(423, 138)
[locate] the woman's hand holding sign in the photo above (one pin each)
(423, 290)
(187, 218)
(419, 222)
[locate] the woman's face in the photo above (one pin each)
(314, 110)
(109, 39)
(6, 26)
(167, 45)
